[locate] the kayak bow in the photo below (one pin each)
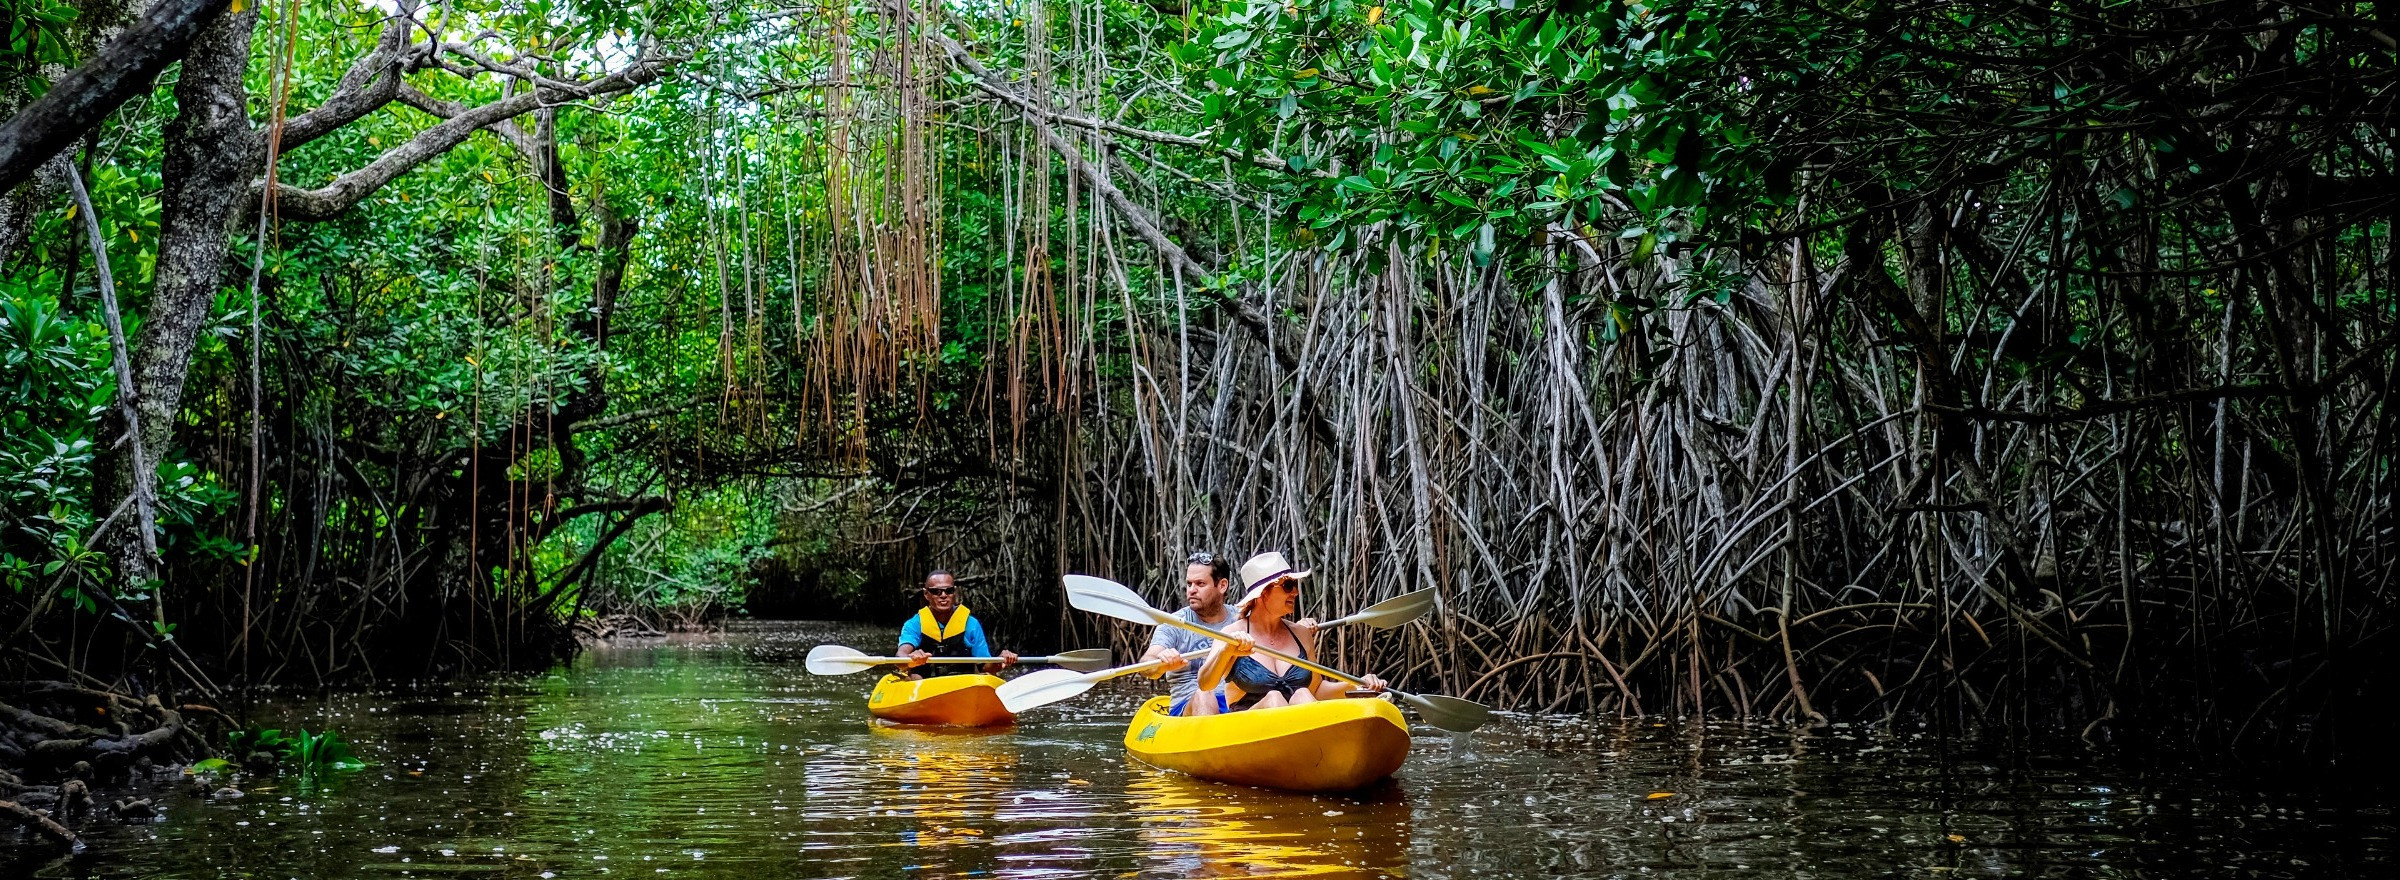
(948, 700)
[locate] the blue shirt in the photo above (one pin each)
(912, 634)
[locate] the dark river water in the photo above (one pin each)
(720, 757)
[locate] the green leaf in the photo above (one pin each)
(1642, 251)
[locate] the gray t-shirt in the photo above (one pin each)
(1183, 682)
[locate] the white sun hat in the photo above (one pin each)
(1262, 570)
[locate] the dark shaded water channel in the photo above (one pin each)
(720, 757)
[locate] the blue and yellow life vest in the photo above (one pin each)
(944, 640)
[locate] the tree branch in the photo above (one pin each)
(1026, 106)
(591, 558)
(2116, 406)
(640, 415)
(84, 97)
(517, 71)
(371, 82)
(349, 189)
(2332, 378)
(551, 524)
(507, 129)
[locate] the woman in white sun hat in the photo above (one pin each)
(1271, 594)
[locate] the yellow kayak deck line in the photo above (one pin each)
(948, 700)
(1327, 745)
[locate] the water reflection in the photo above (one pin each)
(1192, 828)
(719, 757)
(932, 793)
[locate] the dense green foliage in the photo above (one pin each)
(1474, 122)
(55, 367)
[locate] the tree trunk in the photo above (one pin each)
(211, 151)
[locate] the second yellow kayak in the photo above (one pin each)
(1328, 745)
(949, 700)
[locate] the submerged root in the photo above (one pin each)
(33, 820)
(56, 739)
(47, 743)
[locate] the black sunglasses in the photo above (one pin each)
(941, 591)
(1201, 558)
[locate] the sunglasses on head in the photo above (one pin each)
(941, 591)
(1201, 558)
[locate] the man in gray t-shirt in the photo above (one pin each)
(1205, 579)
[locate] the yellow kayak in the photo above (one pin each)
(950, 700)
(1328, 745)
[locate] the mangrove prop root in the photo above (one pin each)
(42, 738)
(74, 801)
(38, 824)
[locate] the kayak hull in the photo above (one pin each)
(1328, 745)
(947, 701)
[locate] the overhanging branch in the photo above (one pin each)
(370, 83)
(1027, 107)
(349, 189)
(641, 415)
(591, 558)
(507, 129)
(84, 97)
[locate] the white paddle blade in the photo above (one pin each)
(1449, 713)
(1043, 687)
(1108, 598)
(839, 660)
(1395, 611)
(1086, 660)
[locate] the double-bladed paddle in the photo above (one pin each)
(1102, 596)
(839, 660)
(1046, 686)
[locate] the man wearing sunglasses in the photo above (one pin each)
(944, 628)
